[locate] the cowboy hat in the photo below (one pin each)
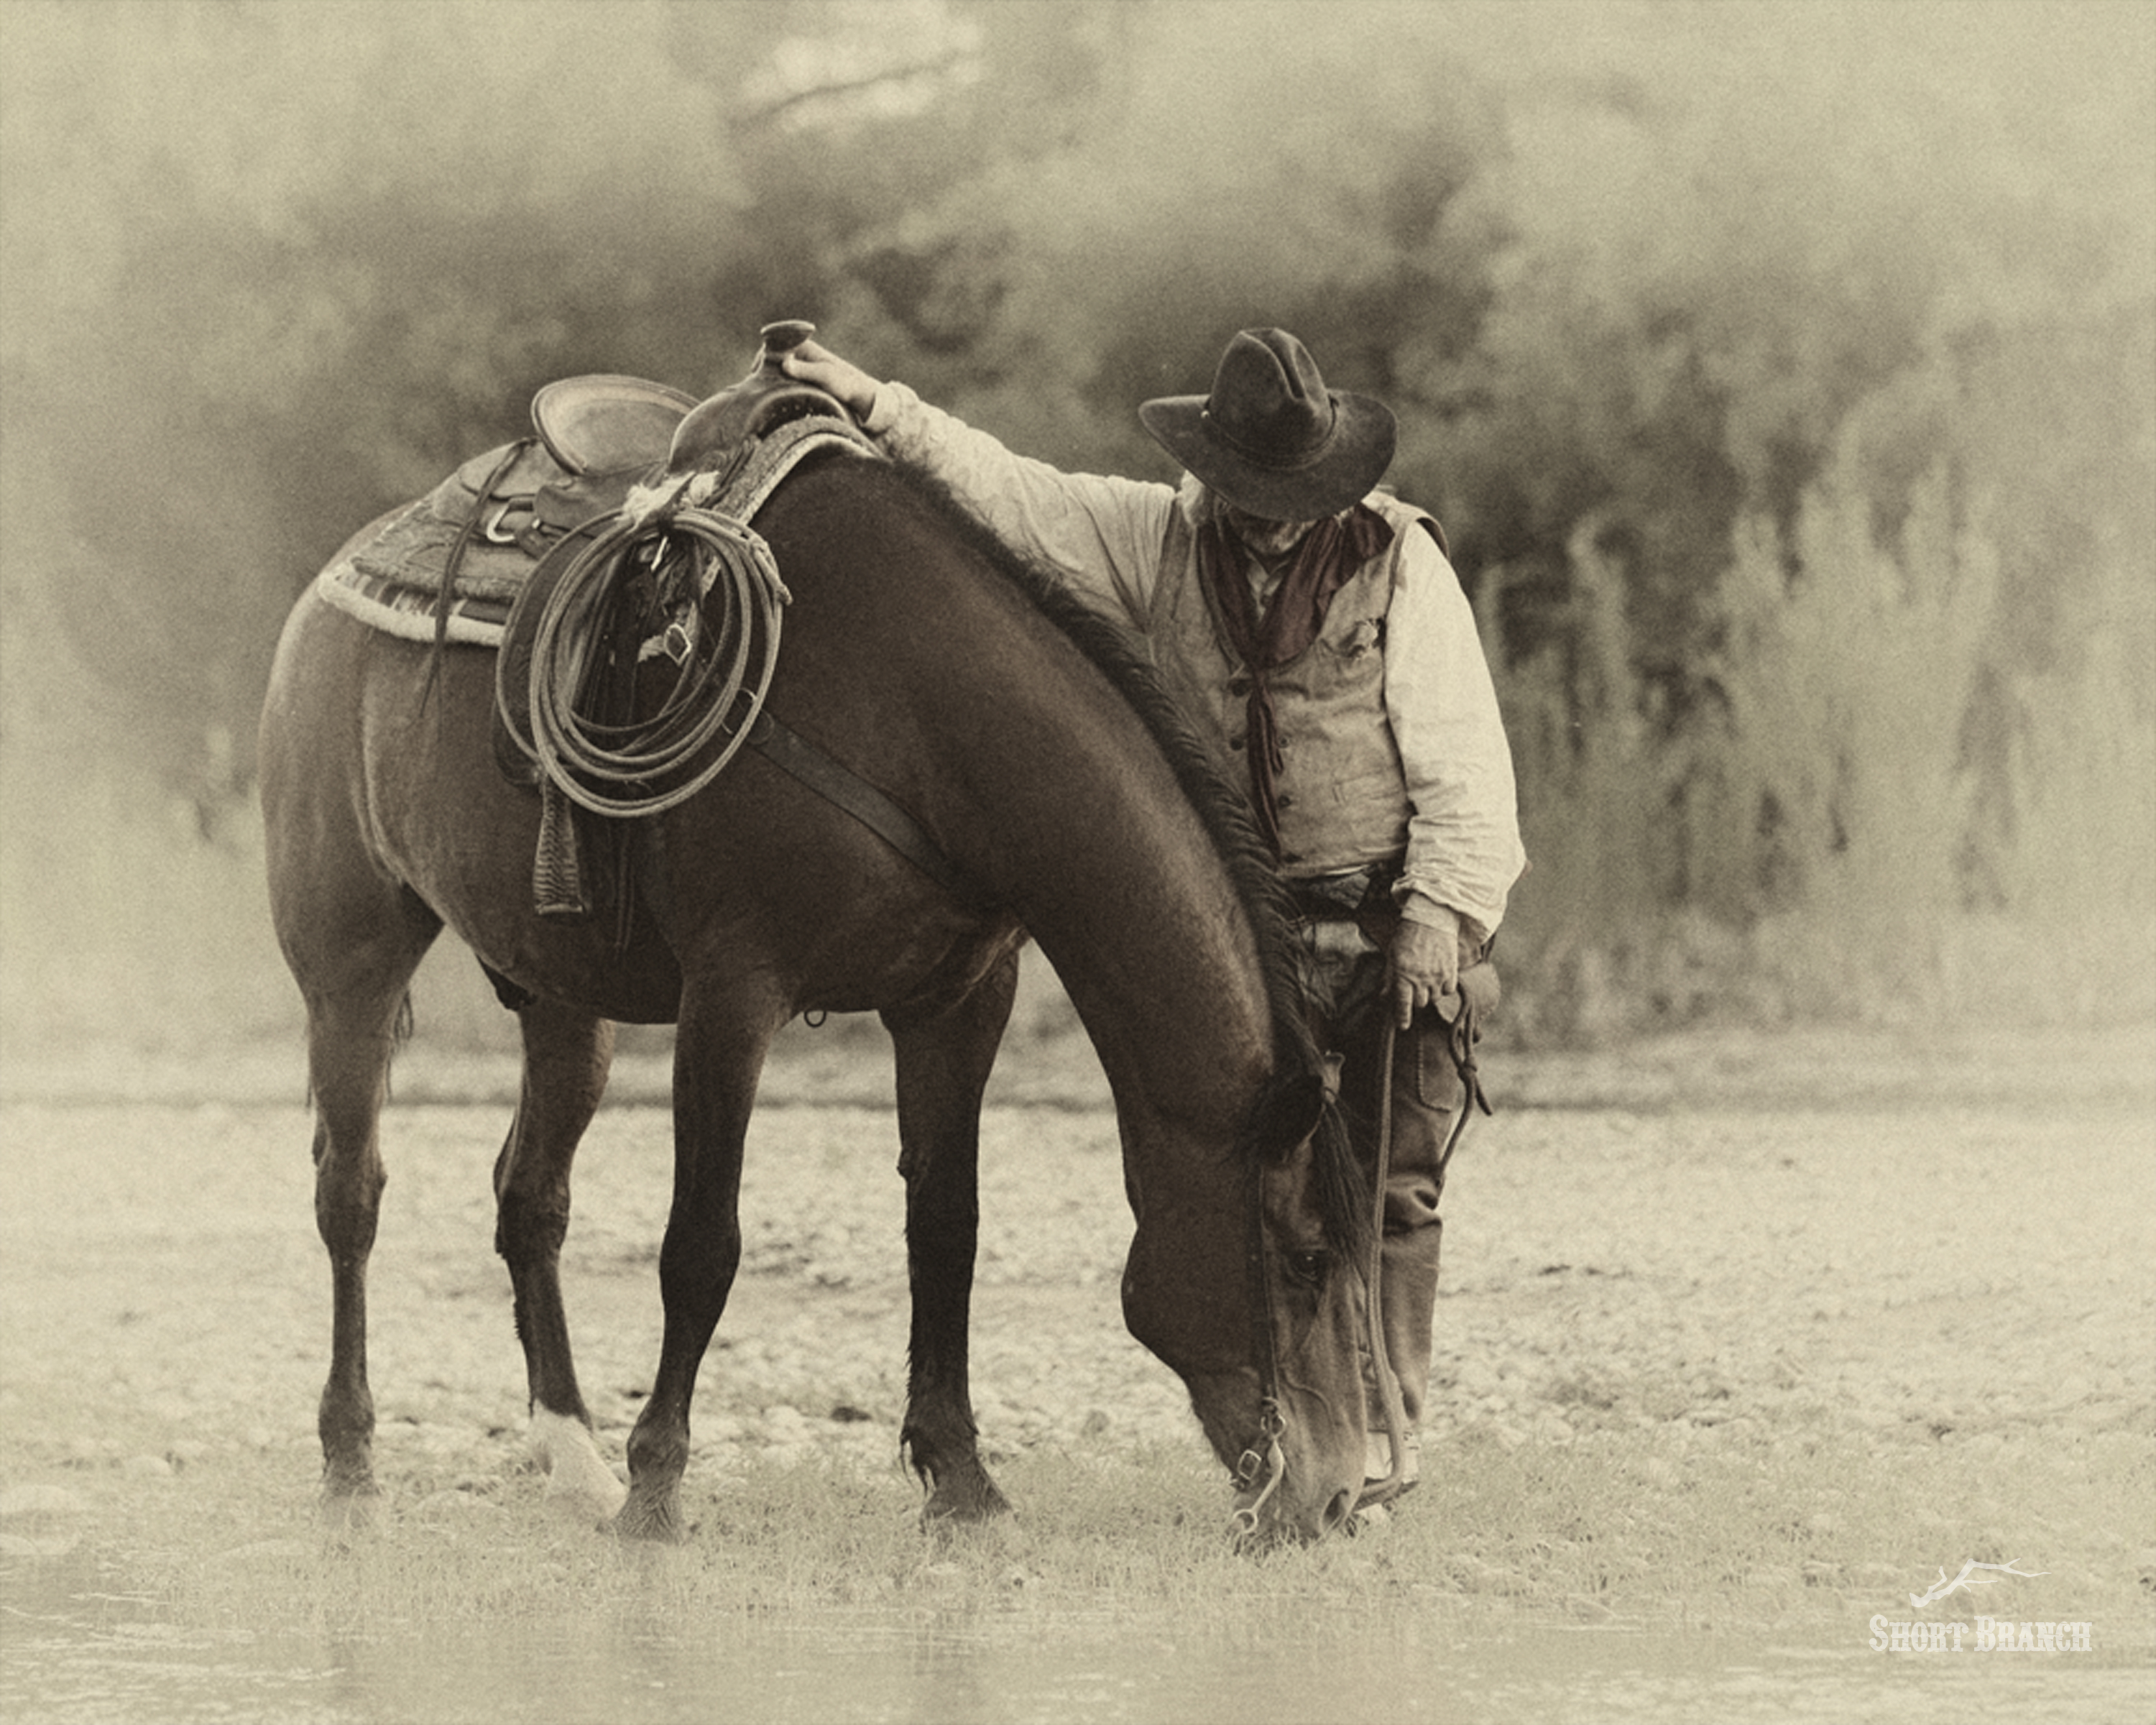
(1271, 438)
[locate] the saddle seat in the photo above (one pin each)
(604, 422)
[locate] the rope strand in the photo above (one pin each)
(636, 769)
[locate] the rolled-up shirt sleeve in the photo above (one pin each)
(1101, 534)
(1464, 847)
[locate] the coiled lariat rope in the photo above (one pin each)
(638, 768)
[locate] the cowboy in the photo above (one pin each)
(1313, 628)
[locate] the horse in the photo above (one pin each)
(1032, 746)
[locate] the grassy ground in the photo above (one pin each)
(1710, 1358)
(1629, 1533)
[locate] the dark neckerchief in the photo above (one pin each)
(1324, 562)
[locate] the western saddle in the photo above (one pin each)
(481, 557)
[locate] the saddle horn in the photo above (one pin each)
(765, 397)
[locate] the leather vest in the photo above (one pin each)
(1343, 800)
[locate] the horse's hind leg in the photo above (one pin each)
(944, 1054)
(352, 1022)
(566, 1054)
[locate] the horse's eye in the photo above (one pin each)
(1309, 1268)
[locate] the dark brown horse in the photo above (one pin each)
(1044, 765)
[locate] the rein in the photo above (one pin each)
(1260, 1473)
(1256, 1474)
(1459, 1044)
(1381, 1363)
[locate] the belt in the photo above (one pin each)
(1347, 896)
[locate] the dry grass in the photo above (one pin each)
(1629, 1531)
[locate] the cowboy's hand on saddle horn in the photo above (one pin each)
(1424, 962)
(811, 363)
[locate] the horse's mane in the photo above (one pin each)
(1121, 655)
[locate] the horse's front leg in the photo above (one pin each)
(718, 1057)
(567, 1055)
(945, 1054)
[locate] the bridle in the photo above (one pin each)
(1259, 1472)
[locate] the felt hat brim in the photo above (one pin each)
(1352, 461)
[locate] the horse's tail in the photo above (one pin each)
(400, 1033)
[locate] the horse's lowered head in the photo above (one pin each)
(1266, 1320)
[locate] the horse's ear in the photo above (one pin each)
(1292, 1107)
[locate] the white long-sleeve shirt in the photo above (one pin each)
(1104, 535)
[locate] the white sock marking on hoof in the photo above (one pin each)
(576, 1478)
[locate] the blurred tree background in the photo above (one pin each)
(1784, 372)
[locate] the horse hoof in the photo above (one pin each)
(586, 1509)
(345, 1510)
(349, 1477)
(971, 1498)
(653, 1523)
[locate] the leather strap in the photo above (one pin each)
(793, 754)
